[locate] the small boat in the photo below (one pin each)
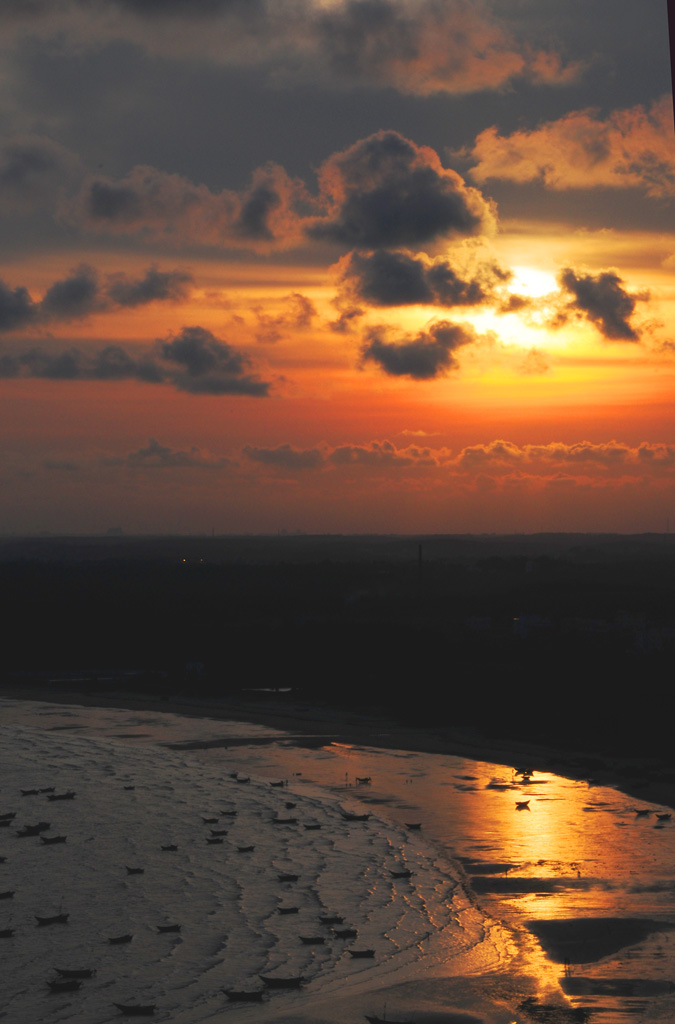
(6, 933)
(86, 972)
(171, 848)
(5, 822)
(51, 840)
(47, 789)
(120, 940)
(69, 795)
(363, 780)
(7, 895)
(62, 985)
(29, 792)
(218, 831)
(642, 812)
(246, 849)
(210, 821)
(288, 878)
(242, 778)
(522, 805)
(277, 784)
(664, 817)
(350, 816)
(312, 940)
(403, 873)
(413, 825)
(313, 826)
(290, 804)
(294, 982)
(244, 996)
(129, 787)
(229, 814)
(346, 933)
(134, 871)
(8, 817)
(214, 841)
(136, 1009)
(331, 919)
(288, 910)
(284, 821)
(54, 919)
(168, 927)
(362, 954)
(33, 830)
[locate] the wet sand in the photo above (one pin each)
(318, 724)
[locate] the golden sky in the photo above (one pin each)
(358, 266)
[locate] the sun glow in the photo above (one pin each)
(532, 282)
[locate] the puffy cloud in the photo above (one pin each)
(206, 365)
(17, 309)
(371, 453)
(429, 354)
(81, 294)
(385, 278)
(386, 192)
(194, 360)
(612, 457)
(170, 207)
(604, 301)
(633, 148)
(155, 285)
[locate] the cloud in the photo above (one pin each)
(159, 456)
(633, 148)
(418, 47)
(81, 294)
(206, 365)
(604, 301)
(193, 360)
(34, 170)
(613, 457)
(429, 354)
(156, 285)
(284, 456)
(172, 208)
(387, 192)
(371, 453)
(385, 278)
(297, 314)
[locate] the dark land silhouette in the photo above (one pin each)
(554, 638)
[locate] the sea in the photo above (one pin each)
(466, 892)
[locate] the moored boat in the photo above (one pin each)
(136, 1009)
(54, 919)
(85, 972)
(65, 985)
(293, 982)
(69, 795)
(120, 940)
(52, 840)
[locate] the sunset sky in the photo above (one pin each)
(336, 266)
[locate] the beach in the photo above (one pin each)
(452, 940)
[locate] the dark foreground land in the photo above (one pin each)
(559, 640)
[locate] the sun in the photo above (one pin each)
(532, 282)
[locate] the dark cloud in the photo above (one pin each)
(206, 365)
(430, 354)
(373, 453)
(385, 278)
(17, 309)
(604, 301)
(386, 192)
(33, 170)
(194, 360)
(76, 296)
(80, 294)
(155, 285)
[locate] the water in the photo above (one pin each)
(455, 937)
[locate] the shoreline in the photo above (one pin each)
(322, 724)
